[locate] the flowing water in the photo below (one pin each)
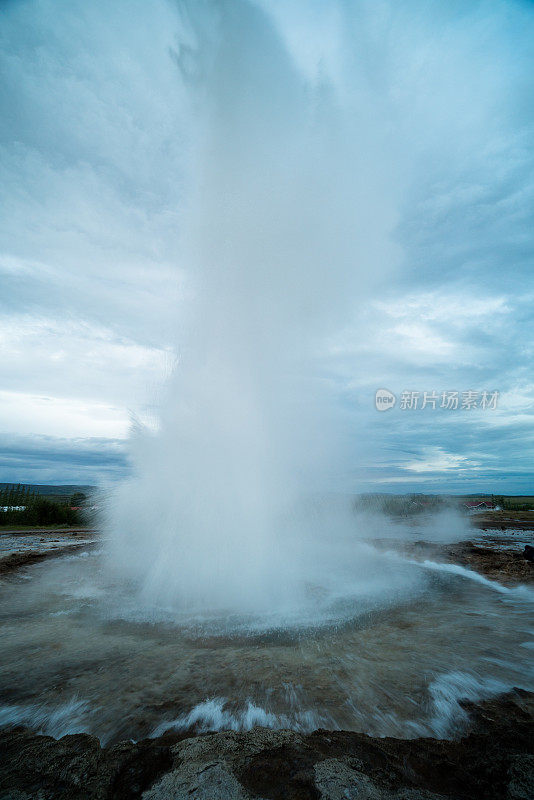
(77, 657)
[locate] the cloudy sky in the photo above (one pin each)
(95, 155)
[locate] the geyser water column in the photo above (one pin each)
(287, 225)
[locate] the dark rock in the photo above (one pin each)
(494, 761)
(521, 778)
(76, 767)
(528, 552)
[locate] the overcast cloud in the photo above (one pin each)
(94, 161)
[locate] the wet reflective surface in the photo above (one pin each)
(74, 658)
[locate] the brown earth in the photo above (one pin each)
(45, 544)
(23, 559)
(504, 520)
(506, 565)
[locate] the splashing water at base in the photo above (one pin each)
(93, 663)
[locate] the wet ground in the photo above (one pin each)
(74, 658)
(19, 548)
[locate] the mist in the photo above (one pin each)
(296, 186)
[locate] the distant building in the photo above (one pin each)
(480, 505)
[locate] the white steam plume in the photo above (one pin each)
(295, 191)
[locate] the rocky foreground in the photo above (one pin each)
(494, 760)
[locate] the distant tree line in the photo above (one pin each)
(512, 504)
(399, 505)
(21, 505)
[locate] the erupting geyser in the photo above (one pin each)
(287, 226)
(293, 194)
